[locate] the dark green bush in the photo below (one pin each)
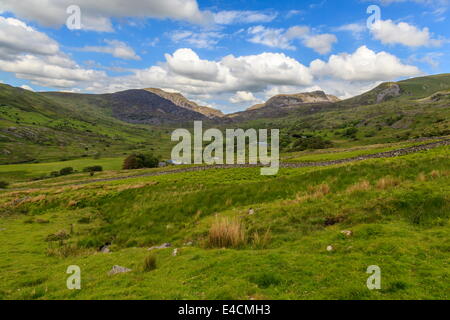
(55, 174)
(140, 161)
(4, 184)
(66, 171)
(311, 143)
(350, 132)
(93, 169)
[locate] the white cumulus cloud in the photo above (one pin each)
(389, 32)
(96, 15)
(32, 55)
(116, 48)
(283, 38)
(243, 97)
(363, 65)
(235, 17)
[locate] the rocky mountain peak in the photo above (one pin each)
(182, 102)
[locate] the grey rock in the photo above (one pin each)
(391, 92)
(163, 246)
(118, 269)
(105, 249)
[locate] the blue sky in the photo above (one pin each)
(225, 54)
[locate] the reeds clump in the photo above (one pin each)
(319, 191)
(262, 242)
(361, 186)
(226, 233)
(435, 174)
(387, 183)
(421, 177)
(150, 263)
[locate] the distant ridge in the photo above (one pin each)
(288, 100)
(183, 102)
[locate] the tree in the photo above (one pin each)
(139, 161)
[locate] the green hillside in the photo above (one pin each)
(393, 213)
(423, 87)
(58, 126)
(44, 127)
(338, 205)
(352, 122)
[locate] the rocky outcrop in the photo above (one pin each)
(392, 92)
(181, 101)
(292, 100)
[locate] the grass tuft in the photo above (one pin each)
(226, 233)
(64, 251)
(262, 242)
(361, 186)
(421, 177)
(150, 263)
(387, 183)
(435, 174)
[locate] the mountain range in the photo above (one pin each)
(70, 124)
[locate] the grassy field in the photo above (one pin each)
(397, 210)
(24, 172)
(346, 153)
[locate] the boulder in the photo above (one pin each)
(118, 269)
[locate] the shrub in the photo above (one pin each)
(140, 161)
(150, 263)
(310, 143)
(54, 174)
(66, 171)
(350, 132)
(226, 233)
(4, 184)
(93, 169)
